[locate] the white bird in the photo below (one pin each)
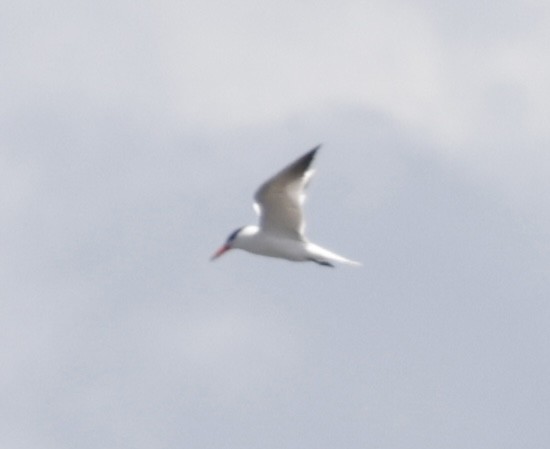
(281, 232)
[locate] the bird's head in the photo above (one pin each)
(229, 243)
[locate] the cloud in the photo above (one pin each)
(133, 139)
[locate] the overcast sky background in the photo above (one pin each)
(133, 136)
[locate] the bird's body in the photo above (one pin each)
(281, 229)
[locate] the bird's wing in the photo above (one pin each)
(279, 200)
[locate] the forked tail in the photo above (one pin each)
(323, 256)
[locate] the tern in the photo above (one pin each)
(280, 233)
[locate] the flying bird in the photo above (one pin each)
(280, 233)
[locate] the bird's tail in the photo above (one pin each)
(324, 255)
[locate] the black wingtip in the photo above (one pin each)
(301, 165)
(314, 150)
(324, 263)
(308, 157)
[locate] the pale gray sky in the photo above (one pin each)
(133, 135)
